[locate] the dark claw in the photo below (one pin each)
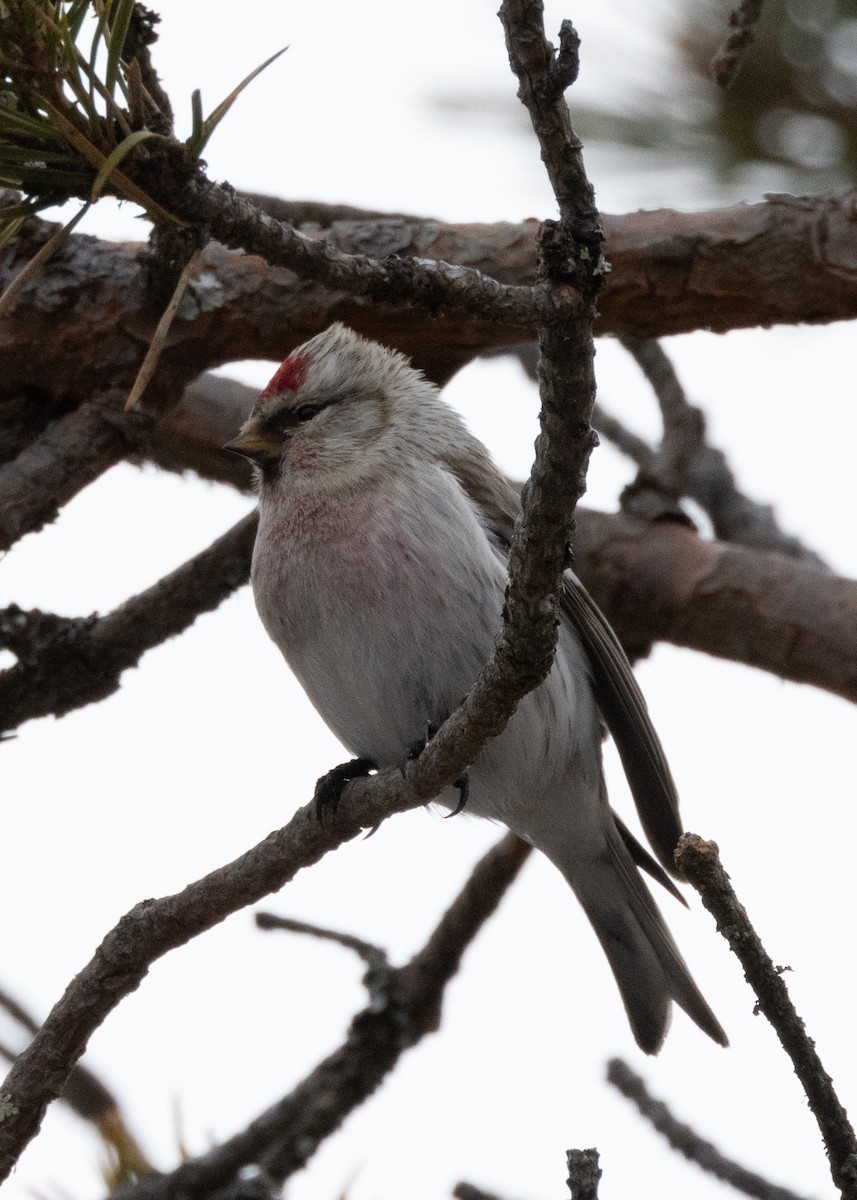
(416, 748)
(463, 785)
(328, 790)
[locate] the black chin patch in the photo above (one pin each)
(269, 469)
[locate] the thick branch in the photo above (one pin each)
(663, 583)
(700, 864)
(786, 260)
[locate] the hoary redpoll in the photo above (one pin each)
(379, 571)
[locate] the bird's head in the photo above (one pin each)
(332, 409)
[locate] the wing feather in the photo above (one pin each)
(622, 705)
(617, 692)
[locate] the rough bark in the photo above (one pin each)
(85, 318)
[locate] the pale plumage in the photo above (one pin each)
(379, 571)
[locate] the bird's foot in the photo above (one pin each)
(416, 748)
(463, 784)
(328, 790)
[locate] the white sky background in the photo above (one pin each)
(210, 743)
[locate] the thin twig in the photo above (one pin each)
(431, 284)
(583, 1174)
(285, 1136)
(699, 862)
(159, 338)
(687, 1142)
(65, 663)
(570, 252)
(727, 61)
(660, 485)
(630, 443)
(379, 973)
(711, 483)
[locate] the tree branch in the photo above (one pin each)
(661, 582)
(67, 663)
(699, 862)
(787, 260)
(69, 455)
(430, 283)
(662, 482)
(287, 1135)
(687, 1142)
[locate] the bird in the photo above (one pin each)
(379, 571)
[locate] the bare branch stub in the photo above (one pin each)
(584, 1174)
(687, 1142)
(699, 861)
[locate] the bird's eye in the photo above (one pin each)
(306, 412)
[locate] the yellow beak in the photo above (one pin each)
(255, 446)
